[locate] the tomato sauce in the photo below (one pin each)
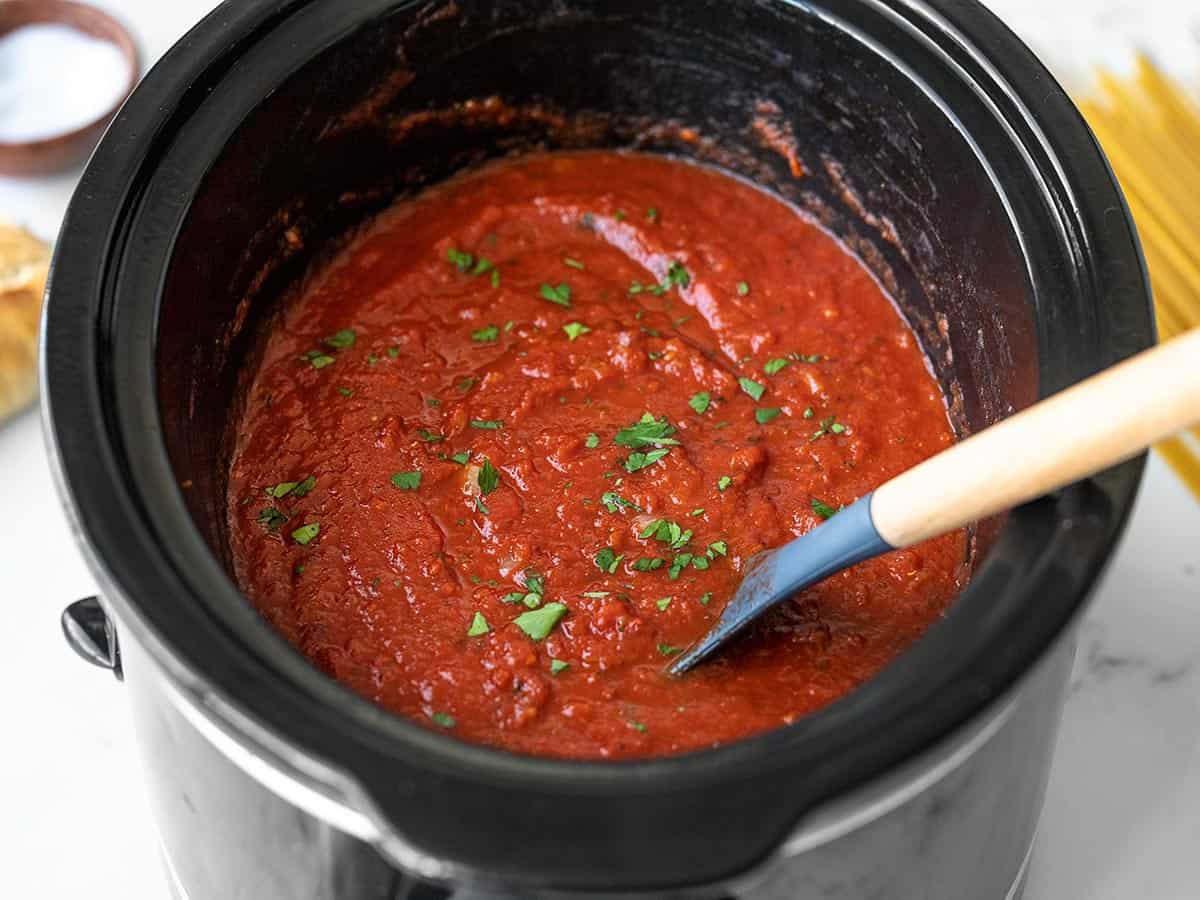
(512, 449)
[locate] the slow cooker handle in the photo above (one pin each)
(92, 635)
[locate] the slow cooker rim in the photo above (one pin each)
(78, 459)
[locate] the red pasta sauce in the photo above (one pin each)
(513, 448)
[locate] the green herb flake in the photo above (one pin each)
(614, 502)
(282, 489)
(668, 650)
(462, 458)
(777, 365)
(495, 278)
(407, 481)
(443, 720)
(487, 424)
(560, 294)
(800, 357)
(489, 478)
(677, 275)
(646, 432)
(460, 260)
(607, 560)
(538, 623)
(593, 441)
(678, 564)
(620, 215)
(393, 352)
(743, 288)
(345, 392)
(479, 625)
(824, 510)
(487, 335)
(513, 597)
(700, 563)
(697, 512)
(752, 387)
(637, 726)
(829, 425)
(700, 402)
(573, 263)
(652, 215)
(575, 329)
(320, 361)
(558, 665)
(305, 533)
(305, 486)
(723, 483)
(429, 437)
(638, 460)
(705, 598)
(808, 412)
(482, 507)
(763, 416)
(717, 548)
(433, 402)
(342, 340)
(649, 563)
(271, 518)
(372, 359)
(663, 603)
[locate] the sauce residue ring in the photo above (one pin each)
(60, 151)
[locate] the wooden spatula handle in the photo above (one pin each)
(1088, 427)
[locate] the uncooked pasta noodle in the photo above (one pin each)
(1150, 129)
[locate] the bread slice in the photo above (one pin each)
(24, 261)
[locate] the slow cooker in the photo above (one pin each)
(920, 132)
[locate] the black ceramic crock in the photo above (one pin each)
(921, 132)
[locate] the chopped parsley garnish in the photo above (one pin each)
(652, 215)
(302, 489)
(620, 215)
(700, 562)
(282, 489)
(663, 603)
(467, 383)
(808, 412)
(342, 340)
(678, 564)
(487, 424)
(372, 359)
(638, 460)
(752, 387)
(319, 360)
(697, 512)
(800, 357)
(677, 275)
(717, 548)
(700, 402)
(495, 278)
(271, 518)
(763, 416)
(635, 725)
(592, 442)
(777, 365)
(513, 597)
(305, 533)
(429, 437)
(461, 261)
(607, 560)
(479, 625)
(489, 478)
(462, 458)
(743, 288)
(670, 533)
(445, 720)
(560, 294)
(538, 623)
(705, 597)
(829, 425)
(636, 287)
(647, 432)
(393, 352)
(345, 392)
(407, 481)
(614, 502)
(575, 329)
(668, 650)
(573, 263)
(433, 402)
(649, 563)
(724, 482)
(558, 665)
(482, 507)
(486, 335)
(824, 510)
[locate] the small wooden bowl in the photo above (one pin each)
(61, 151)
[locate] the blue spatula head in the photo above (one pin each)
(775, 575)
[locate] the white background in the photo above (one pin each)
(1123, 811)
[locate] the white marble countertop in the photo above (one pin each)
(1123, 809)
